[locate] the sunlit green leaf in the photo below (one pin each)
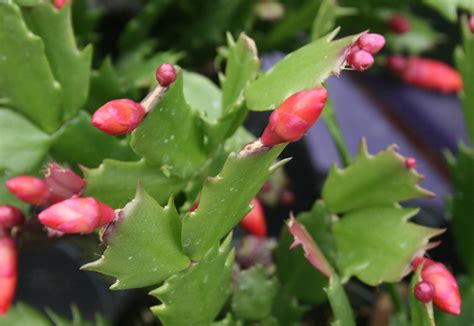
(144, 247)
(196, 295)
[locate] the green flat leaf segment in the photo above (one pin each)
(23, 146)
(462, 206)
(305, 68)
(171, 135)
(70, 66)
(196, 295)
(22, 314)
(377, 244)
(241, 69)
(464, 56)
(225, 199)
(421, 314)
(339, 302)
(27, 84)
(144, 248)
(372, 181)
(115, 182)
(253, 294)
(202, 95)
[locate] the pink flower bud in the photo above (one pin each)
(118, 117)
(255, 223)
(165, 74)
(290, 121)
(29, 189)
(446, 295)
(399, 24)
(58, 4)
(471, 24)
(77, 215)
(63, 183)
(360, 60)
(410, 163)
(371, 42)
(424, 291)
(10, 217)
(8, 272)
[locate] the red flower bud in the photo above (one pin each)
(165, 74)
(255, 223)
(371, 42)
(77, 215)
(63, 183)
(399, 24)
(8, 272)
(427, 73)
(118, 117)
(424, 291)
(10, 217)
(360, 60)
(410, 163)
(471, 23)
(446, 293)
(29, 189)
(290, 121)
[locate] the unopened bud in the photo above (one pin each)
(424, 291)
(58, 4)
(290, 121)
(410, 163)
(29, 189)
(8, 272)
(446, 293)
(77, 215)
(399, 24)
(10, 217)
(118, 117)
(471, 24)
(63, 183)
(360, 60)
(255, 223)
(371, 42)
(165, 74)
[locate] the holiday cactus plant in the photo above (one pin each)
(164, 179)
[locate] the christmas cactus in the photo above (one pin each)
(149, 168)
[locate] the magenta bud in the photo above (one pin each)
(77, 215)
(446, 292)
(371, 43)
(10, 217)
(471, 24)
(410, 163)
(58, 4)
(63, 183)
(165, 74)
(31, 190)
(399, 24)
(424, 291)
(360, 60)
(118, 117)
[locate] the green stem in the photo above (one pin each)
(330, 119)
(397, 300)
